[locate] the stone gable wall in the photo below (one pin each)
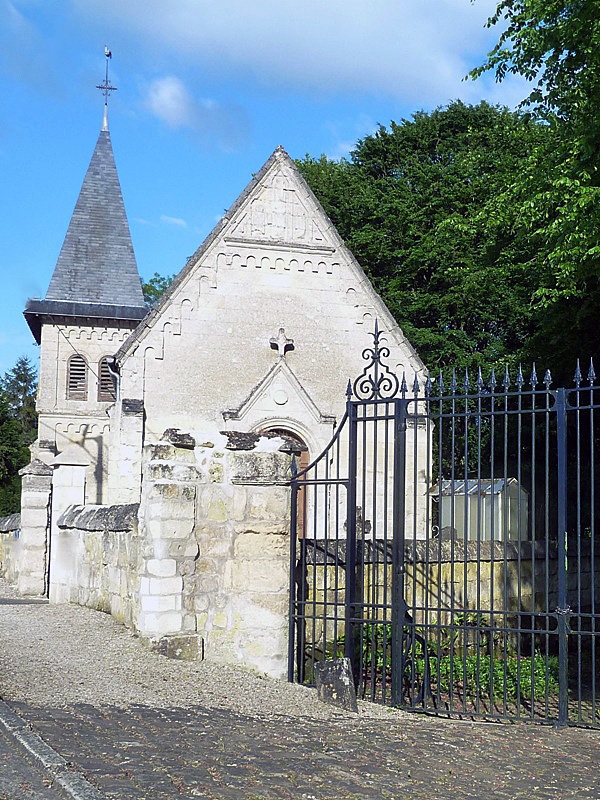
(276, 264)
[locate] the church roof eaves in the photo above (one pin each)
(37, 310)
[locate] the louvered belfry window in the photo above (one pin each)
(106, 384)
(77, 378)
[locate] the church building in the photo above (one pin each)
(159, 484)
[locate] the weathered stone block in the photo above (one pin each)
(163, 451)
(260, 468)
(259, 576)
(216, 472)
(158, 603)
(163, 586)
(186, 549)
(201, 621)
(169, 528)
(165, 490)
(272, 503)
(34, 538)
(335, 684)
(256, 547)
(207, 584)
(219, 620)
(161, 567)
(159, 624)
(239, 503)
(217, 509)
(201, 603)
(274, 528)
(30, 584)
(171, 471)
(35, 499)
(34, 518)
(188, 623)
(254, 617)
(179, 439)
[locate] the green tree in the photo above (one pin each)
(18, 429)
(155, 288)
(555, 44)
(14, 454)
(19, 385)
(417, 203)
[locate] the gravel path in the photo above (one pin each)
(61, 642)
(138, 726)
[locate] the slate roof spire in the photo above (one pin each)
(96, 263)
(96, 273)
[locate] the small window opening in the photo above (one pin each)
(77, 376)
(106, 383)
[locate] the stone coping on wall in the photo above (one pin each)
(100, 518)
(10, 523)
(432, 550)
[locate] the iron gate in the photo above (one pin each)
(445, 542)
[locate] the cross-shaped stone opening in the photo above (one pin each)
(281, 343)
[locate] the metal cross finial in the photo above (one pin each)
(105, 87)
(281, 343)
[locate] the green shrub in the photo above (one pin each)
(473, 671)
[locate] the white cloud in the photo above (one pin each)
(177, 221)
(416, 50)
(171, 102)
(168, 99)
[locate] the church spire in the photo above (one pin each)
(96, 273)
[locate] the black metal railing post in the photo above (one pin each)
(293, 589)
(398, 543)
(350, 650)
(562, 609)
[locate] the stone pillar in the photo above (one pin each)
(68, 489)
(32, 560)
(214, 523)
(167, 520)
(241, 580)
(125, 452)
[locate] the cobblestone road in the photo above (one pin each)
(20, 779)
(250, 738)
(162, 754)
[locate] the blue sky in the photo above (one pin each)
(207, 89)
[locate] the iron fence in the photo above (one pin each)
(445, 542)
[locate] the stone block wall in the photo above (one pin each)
(214, 560)
(10, 546)
(442, 580)
(103, 571)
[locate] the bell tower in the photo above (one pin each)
(93, 302)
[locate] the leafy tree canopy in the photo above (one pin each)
(555, 44)
(19, 386)
(18, 424)
(155, 288)
(418, 204)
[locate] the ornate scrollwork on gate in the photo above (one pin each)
(376, 381)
